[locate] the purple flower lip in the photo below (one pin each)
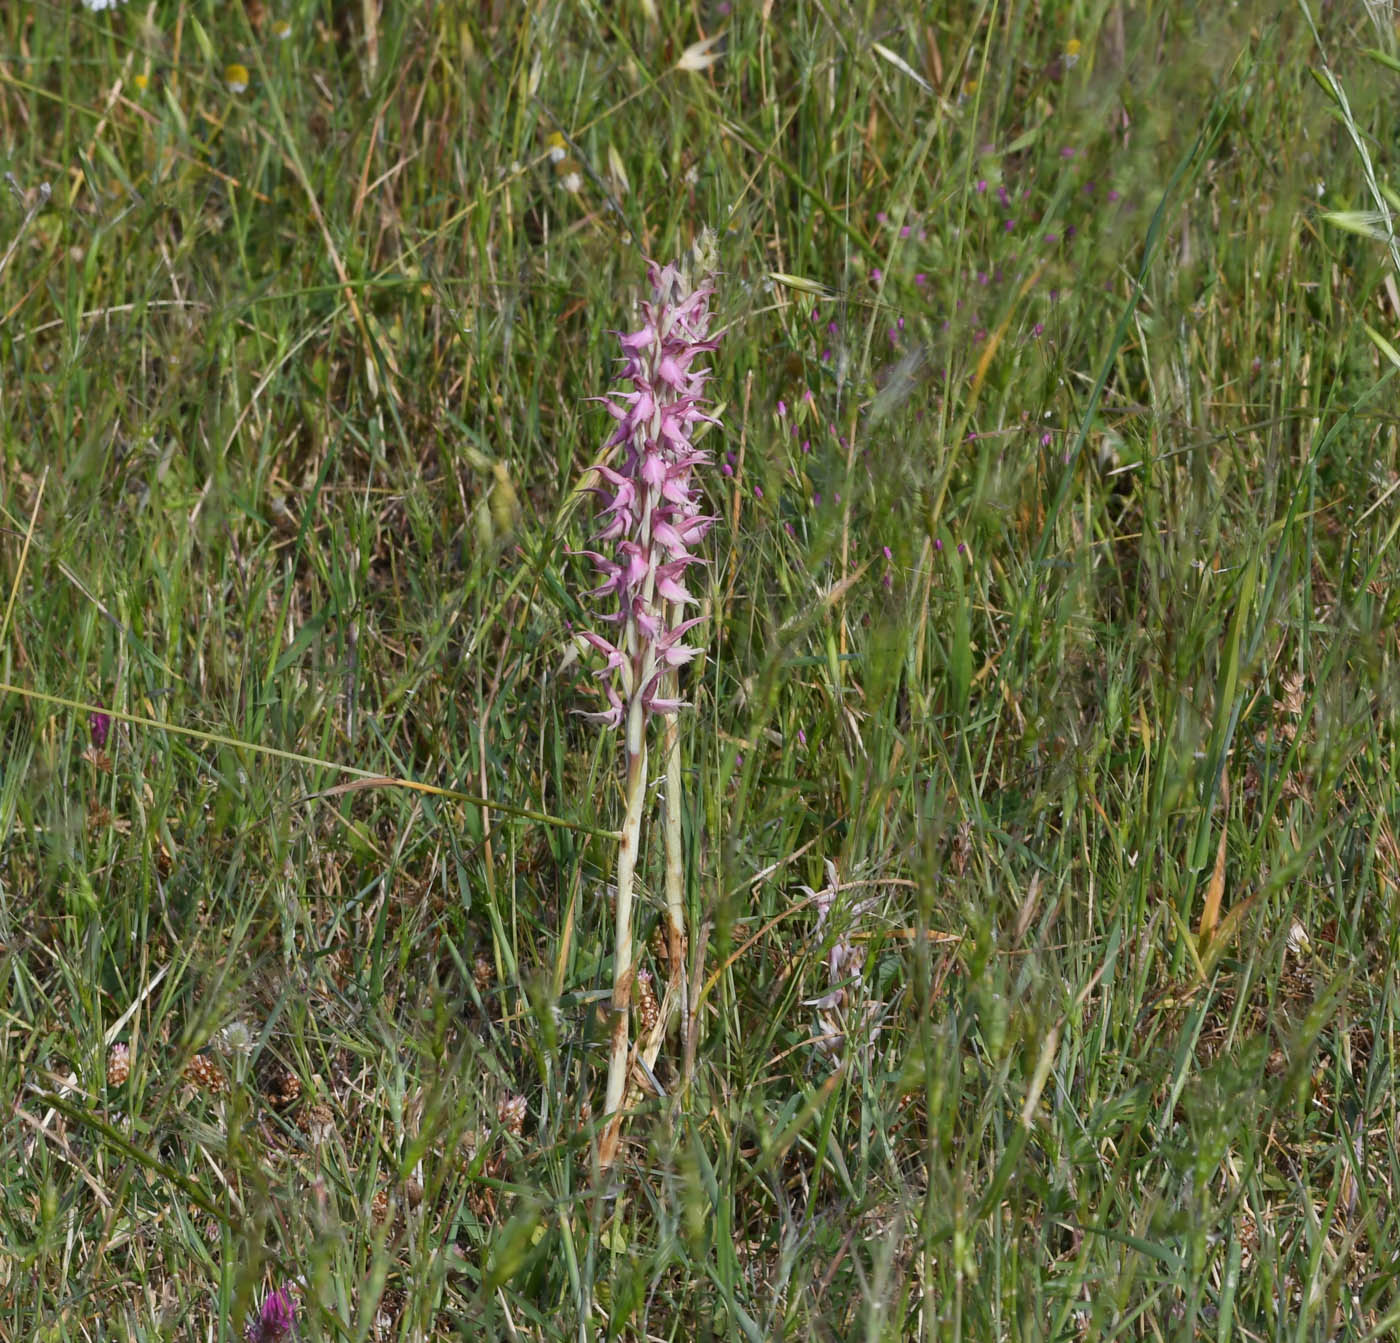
(99, 725)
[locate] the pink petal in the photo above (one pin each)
(636, 341)
(673, 591)
(654, 469)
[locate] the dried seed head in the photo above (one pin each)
(118, 1065)
(379, 1207)
(483, 972)
(511, 1113)
(317, 1122)
(206, 1075)
(283, 1088)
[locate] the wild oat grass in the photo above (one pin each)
(1040, 818)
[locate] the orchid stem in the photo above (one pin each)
(623, 970)
(675, 879)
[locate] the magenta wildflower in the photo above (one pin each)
(99, 724)
(275, 1320)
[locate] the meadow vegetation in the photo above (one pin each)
(1040, 812)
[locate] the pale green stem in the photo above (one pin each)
(673, 806)
(623, 971)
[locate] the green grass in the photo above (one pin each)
(1015, 610)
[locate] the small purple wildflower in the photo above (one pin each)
(981, 185)
(99, 724)
(782, 407)
(275, 1320)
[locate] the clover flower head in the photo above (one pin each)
(649, 504)
(275, 1320)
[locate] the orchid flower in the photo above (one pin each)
(652, 516)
